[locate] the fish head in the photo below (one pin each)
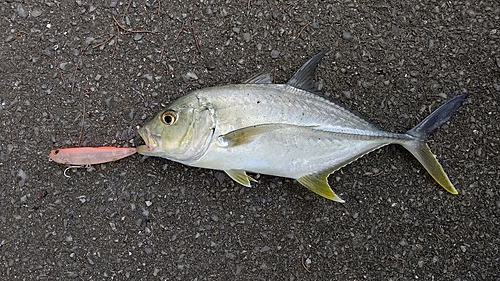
(180, 133)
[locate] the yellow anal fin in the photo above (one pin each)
(318, 183)
(240, 176)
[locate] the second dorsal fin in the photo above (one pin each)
(304, 77)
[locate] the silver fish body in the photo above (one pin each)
(286, 130)
(290, 132)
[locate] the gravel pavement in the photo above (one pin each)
(86, 73)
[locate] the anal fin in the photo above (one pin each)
(318, 183)
(241, 177)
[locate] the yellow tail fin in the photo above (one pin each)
(421, 132)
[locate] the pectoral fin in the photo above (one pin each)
(240, 177)
(247, 134)
(318, 183)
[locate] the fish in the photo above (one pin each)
(90, 155)
(287, 130)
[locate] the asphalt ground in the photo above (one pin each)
(86, 73)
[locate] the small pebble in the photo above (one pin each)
(347, 35)
(497, 87)
(265, 249)
(431, 44)
(63, 65)
(21, 11)
(210, 65)
(36, 12)
(137, 36)
(9, 38)
(89, 40)
(156, 271)
(128, 114)
(246, 37)
(22, 177)
(275, 54)
(207, 11)
(190, 76)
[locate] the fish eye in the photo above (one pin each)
(56, 151)
(169, 117)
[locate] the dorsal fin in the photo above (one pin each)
(260, 78)
(304, 77)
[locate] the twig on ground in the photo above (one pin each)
(180, 30)
(291, 5)
(300, 32)
(194, 37)
(83, 124)
(304, 265)
(62, 77)
(131, 30)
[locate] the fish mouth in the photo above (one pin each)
(152, 141)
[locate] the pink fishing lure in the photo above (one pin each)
(90, 155)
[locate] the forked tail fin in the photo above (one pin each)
(423, 130)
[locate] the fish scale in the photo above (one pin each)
(287, 130)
